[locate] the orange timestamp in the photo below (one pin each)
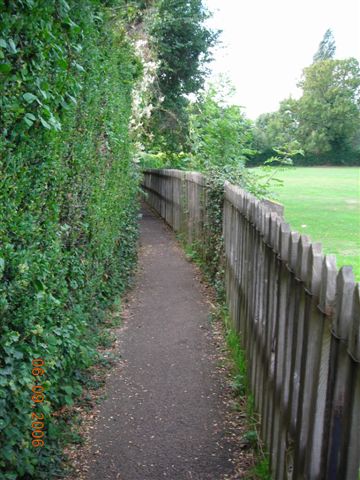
(37, 397)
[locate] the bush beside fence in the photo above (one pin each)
(298, 319)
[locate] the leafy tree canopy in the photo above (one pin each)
(277, 128)
(326, 48)
(329, 109)
(219, 133)
(182, 43)
(325, 120)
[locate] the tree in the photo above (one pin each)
(326, 48)
(277, 128)
(183, 44)
(326, 119)
(220, 135)
(329, 109)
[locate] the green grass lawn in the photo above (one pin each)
(324, 203)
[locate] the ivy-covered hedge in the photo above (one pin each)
(68, 206)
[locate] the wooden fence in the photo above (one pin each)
(298, 320)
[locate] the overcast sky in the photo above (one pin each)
(267, 43)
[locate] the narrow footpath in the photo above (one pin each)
(164, 415)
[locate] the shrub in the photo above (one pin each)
(68, 207)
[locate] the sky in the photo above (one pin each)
(267, 43)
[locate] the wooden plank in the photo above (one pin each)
(242, 275)
(354, 328)
(339, 373)
(257, 313)
(350, 458)
(280, 428)
(262, 292)
(232, 288)
(266, 417)
(237, 252)
(318, 435)
(352, 452)
(269, 345)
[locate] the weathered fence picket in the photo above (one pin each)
(298, 320)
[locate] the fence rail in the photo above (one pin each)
(299, 322)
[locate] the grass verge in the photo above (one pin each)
(324, 202)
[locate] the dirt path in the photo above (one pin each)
(164, 416)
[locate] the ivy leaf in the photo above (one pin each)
(8, 452)
(17, 354)
(3, 43)
(29, 97)
(54, 300)
(55, 123)
(68, 400)
(12, 46)
(44, 123)
(3, 423)
(51, 340)
(65, 105)
(6, 370)
(73, 99)
(65, 5)
(79, 67)
(44, 94)
(68, 389)
(38, 284)
(62, 64)
(5, 67)
(29, 119)
(2, 266)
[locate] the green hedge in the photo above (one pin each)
(336, 159)
(68, 207)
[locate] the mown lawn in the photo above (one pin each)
(324, 202)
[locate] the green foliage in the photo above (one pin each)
(213, 246)
(325, 120)
(68, 209)
(267, 179)
(221, 139)
(329, 109)
(182, 43)
(277, 128)
(241, 388)
(285, 154)
(134, 10)
(220, 135)
(327, 47)
(261, 470)
(40, 52)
